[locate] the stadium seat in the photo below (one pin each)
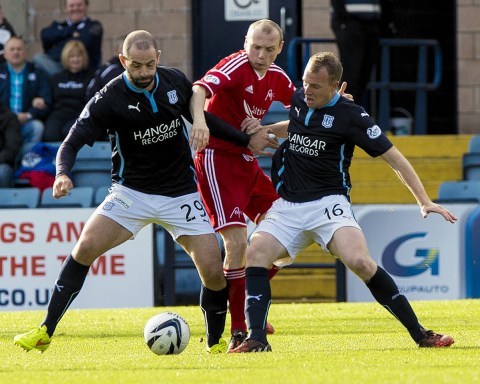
(78, 197)
(100, 194)
(27, 197)
(474, 145)
(265, 163)
(93, 165)
(471, 166)
(459, 191)
(277, 112)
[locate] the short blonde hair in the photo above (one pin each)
(72, 46)
(326, 60)
(267, 26)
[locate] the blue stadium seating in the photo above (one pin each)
(19, 197)
(93, 166)
(471, 166)
(78, 197)
(277, 112)
(459, 191)
(100, 194)
(474, 145)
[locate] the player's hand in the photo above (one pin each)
(261, 140)
(250, 125)
(440, 209)
(342, 91)
(62, 186)
(199, 136)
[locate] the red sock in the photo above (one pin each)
(236, 297)
(272, 271)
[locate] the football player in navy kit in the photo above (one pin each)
(153, 178)
(310, 173)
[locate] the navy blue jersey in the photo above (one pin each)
(314, 160)
(150, 149)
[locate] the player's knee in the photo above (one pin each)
(86, 251)
(362, 266)
(214, 280)
(256, 258)
(235, 245)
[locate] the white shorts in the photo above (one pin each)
(133, 210)
(298, 225)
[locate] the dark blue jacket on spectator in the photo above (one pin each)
(36, 83)
(90, 33)
(10, 136)
(103, 75)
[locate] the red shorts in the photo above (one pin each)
(232, 185)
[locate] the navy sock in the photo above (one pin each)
(214, 308)
(257, 302)
(386, 292)
(69, 283)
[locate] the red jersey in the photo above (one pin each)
(238, 92)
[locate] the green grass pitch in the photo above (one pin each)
(314, 343)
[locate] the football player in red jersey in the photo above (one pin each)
(240, 90)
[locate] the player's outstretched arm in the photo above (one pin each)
(251, 126)
(200, 133)
(261, 140)
(409, 177)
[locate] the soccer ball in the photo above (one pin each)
(166, 333)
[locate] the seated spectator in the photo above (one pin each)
(37, 166)
(68, 88)
(108, 71)
(6, 31)
(77, 25)
(26, 90)
(10, 143)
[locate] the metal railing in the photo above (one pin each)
(421, 86)
(299, 50)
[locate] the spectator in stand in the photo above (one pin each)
(26, 90)
(68, 88)
(358, 26)
(77, 25)
(108, 71)
(10, 144)
(6, 31)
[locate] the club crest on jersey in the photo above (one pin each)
(374, 132)
(327, 121)
(172, 96)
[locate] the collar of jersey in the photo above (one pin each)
(331, 102)
(148, 95)
(139, 90)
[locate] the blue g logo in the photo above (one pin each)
(428, 258)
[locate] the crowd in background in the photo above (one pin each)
(41, 99)
(48, 93)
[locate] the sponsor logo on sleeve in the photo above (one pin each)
(211, 79)
(374, 132)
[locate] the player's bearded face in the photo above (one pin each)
(141, 81)
(141, 66)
